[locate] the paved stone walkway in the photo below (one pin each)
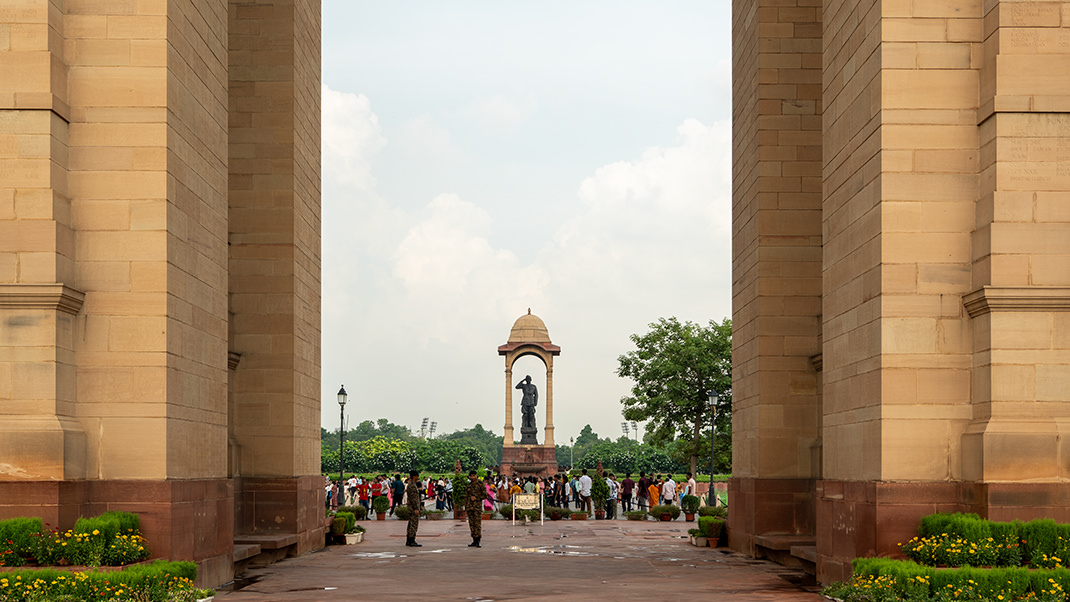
(561, 561)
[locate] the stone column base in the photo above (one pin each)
(768, 506)
(181, 519)
(269, 505)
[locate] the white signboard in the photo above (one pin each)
(526, 501)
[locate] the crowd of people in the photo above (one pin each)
(560, 491)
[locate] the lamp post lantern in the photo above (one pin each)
(713, 435)
(342, 398)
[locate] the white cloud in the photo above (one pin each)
(351, 135)
(499, 112)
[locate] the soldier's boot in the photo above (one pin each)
(475, 542)
(411, 542)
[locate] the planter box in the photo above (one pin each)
(636, 517)
(352, 538)
(699, 542)
(578, 516)
(488, 516)
(666, 517)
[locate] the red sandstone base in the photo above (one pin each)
(183, 519)
(533, 460)
(852, 519)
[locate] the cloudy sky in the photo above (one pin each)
(483, 158)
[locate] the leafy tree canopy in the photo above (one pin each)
(673, 368)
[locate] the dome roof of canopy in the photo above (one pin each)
(529, 328)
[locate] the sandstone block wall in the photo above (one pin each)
(944, 263)
(123, 177)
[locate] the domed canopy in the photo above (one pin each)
(527, 331)
(529, 328)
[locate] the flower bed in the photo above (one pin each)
(997, 561)
(111, 539)
(880, 579)
(157, 582)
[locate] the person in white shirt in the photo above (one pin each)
(351, 490)
(611, 503)
(668, 491)
(585, 491)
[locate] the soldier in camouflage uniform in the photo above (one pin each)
(412, 496)
(474, 495)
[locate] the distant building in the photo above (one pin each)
(160, 271)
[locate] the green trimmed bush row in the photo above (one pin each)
(670, 509)
(714, 511)
(884, 579)
(158, 582)
(360, 512)
(968, 540)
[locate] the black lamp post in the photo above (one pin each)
(713, 435)
(342, 397)
(571, 446)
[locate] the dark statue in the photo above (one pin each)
(527, 410)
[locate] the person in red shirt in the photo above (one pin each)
(362, 493)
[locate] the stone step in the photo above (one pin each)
(774, 541)
(807, 553)
(267, 541)
(244, 551)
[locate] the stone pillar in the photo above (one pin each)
(1020, 305)
(40, 437)
(548, 438)
(507, 440)
(274, 261)
(777, 234)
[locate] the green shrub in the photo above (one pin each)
(380, 504)
(338, 525)
(690, 503)
(506, 510)
(350, 518)
(157, 582)
(670, 509)
(128, 521)
(360, 512)
(710, 527)
(633, 513)
(558, 513)
(714, 511)
(402, 512)
(885, 579)
(460, 487)
(22, 535)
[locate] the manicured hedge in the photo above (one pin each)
(158, 582)
(886, 579)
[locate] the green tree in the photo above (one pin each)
(488, 444)
(674, 367)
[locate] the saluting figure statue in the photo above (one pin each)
(528, 403)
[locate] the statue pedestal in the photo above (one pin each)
(527, 436)
(529, 460)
